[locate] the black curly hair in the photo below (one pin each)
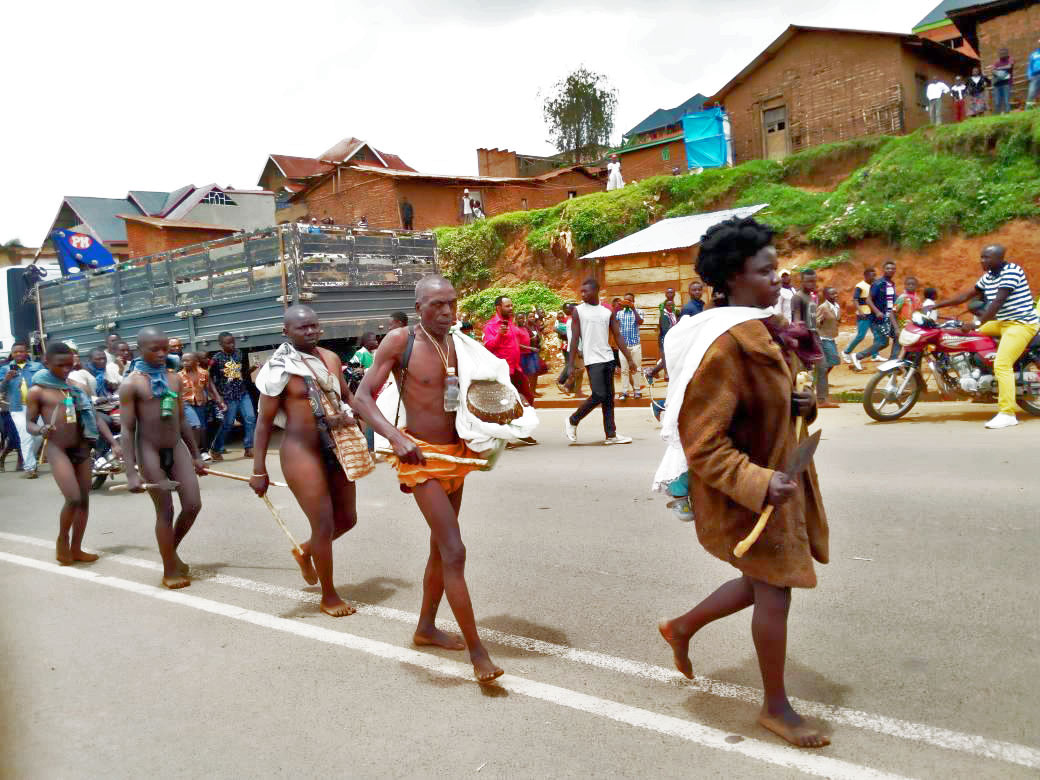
(726, 247)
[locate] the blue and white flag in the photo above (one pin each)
(79, 251)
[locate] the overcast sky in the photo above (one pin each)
(101, 98)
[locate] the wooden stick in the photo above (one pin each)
(281, 523)
(744, 544)
(167, 485)
(445, 458)
(240, 478)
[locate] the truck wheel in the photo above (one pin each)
(883, 400)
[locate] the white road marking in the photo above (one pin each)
(690, 731)
(947, 739)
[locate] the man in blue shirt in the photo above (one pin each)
(226, 372)
(695, 305)
(881, 301)
(629, 319)
(1033, 74)
(17, 379)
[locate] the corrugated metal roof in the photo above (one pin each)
(101, 215)
(674, 233)
(663, 117)
(938, 13)
(300, 167)
(151, 202)
(162, 224)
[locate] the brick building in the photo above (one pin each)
(349, 192)
(655, 146)
(150, 235)
(1005, 24)
(937, 26)
(816, 85)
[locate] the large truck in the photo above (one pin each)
(353, 278)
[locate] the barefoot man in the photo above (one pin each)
(158, 440)
(289, 383)
(71, 432)
(419, 360)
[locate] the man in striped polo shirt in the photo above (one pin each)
(1010, 315)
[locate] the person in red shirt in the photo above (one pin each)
(503, 338)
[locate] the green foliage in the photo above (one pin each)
(972, 176)
(580, 114)
(826, 262)
(525, 297)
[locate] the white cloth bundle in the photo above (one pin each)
(287, 362)
(685, 345)
(475, 363)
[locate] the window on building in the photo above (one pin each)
(921, 85)
(572, 194)
(666, 153)
(218, 198)
(523, 204)
(954, 43)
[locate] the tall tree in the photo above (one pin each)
(580, 114)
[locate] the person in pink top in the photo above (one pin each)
(503, 338)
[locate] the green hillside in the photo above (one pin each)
(973, 177)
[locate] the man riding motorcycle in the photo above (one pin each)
(1008, 314)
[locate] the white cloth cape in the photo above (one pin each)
(287, 362)
(614, 180)
(685, 345)
(475, 362)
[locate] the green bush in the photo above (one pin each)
(826, 262)
(525, 297)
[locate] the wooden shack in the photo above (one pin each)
(650, 261)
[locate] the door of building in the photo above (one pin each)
(774, 121)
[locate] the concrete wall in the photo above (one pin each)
(1018, 32)
(650, 161)
(836, 86)
(435, 203)
(251, 212)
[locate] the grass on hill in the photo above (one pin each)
(973, 176)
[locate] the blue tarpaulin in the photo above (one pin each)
(705, 139)
(77, 251)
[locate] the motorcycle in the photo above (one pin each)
(105, 462)
(962, 364)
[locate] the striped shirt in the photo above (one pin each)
(1019, 306)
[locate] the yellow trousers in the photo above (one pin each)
(1014, 338)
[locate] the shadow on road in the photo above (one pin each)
(508, 624)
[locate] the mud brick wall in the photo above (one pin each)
(1017, 32)
(836, 86)
(145, 240)
(641, 163)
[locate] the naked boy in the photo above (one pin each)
(158, 440)
(437, 488)
(288, 384)
(71, 432)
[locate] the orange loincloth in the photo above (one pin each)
(450, 475)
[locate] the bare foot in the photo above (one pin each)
(680, 648)
(62, 552)
(337, 607)
(83, 557)
(484, 669)
(434, 637)
(306, 567)
(789, 725)
(173, 583)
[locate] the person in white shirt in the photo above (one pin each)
(592, 324)
(784, 302)
(614, 180)
(467, 208)
(934, 93)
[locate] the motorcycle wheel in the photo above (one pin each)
(97, 481)
(1032, 407)
(880, 401)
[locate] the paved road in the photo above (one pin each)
(917, 648)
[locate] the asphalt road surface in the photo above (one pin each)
(917, 649)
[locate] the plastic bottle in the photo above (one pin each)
(70, 410)
(167, 405)
(451, 391)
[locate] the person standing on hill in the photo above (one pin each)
(977, 85)
(1010, 315)
(1003, 76)
(934, 93)
(1033, 72)
(958, 90)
